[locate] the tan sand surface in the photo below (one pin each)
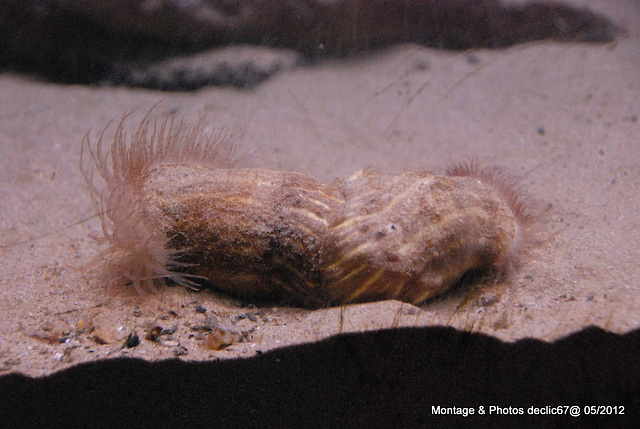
(564, 116)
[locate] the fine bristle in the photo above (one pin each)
(527, 211)
(138, 253)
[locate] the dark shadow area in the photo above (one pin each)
(390, 378)
(121, 42)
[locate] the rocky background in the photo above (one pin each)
(124, 41)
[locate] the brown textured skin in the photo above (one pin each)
(253, 233)
(285, 236)
(412, 236)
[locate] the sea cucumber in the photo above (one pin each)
(175, 209)
(413, 235)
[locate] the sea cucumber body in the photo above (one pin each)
(412, 236)
(254, 233)
(173, 209)
(284, 236)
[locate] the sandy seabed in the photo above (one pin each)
(563, 116)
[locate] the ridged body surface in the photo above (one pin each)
(412, 236)
(284, 236)
(254, 233)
